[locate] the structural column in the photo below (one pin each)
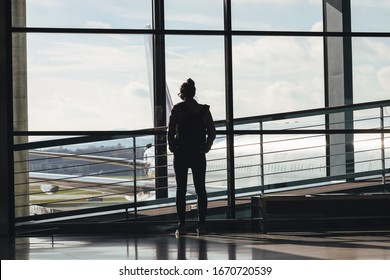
(160, 109)
(7, 205)
(338, 84)
(20, 114)
(231, 214)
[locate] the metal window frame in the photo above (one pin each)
(159, 32)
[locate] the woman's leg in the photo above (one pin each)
(181, 172)
(199, 174)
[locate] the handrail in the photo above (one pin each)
(105, 135)
(310, 112)
(302, 184)
(301, 132)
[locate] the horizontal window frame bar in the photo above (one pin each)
(195, 32)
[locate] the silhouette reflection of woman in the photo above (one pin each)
(190, 136)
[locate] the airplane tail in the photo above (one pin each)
(149, 63)
(169, 101)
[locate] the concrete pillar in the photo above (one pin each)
(338, 85)
(20, 112)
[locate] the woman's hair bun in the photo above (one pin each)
(188, 89)
(190, 82)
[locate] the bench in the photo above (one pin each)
(319, 212)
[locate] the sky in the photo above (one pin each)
(100, 82)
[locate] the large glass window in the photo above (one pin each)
(370, 15)
(367, 147)
(87, 82)
(277, 74)
(281, 15)
(74, 79)
(371, 69)
(88, 13)
(189, 14)
(200, 58)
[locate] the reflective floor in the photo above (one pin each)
(238, 246)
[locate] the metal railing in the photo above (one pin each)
(95, 173)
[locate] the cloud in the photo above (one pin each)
(317, 26)
(100, 81)
(278, 96)
(196, 19)
(104, 83)
(370, 69)
(267, 49)
(277, 2)
(45, 3)
(101, 84)
(275, 55)
(378, 49)
(85, 56)
(276, 74)
(89, 13)
(384, 78)
(106, 108)
(189, 14)
(97, 24)
(370, 3)
(270, 74)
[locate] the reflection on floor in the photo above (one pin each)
(248, 246)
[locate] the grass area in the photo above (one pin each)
(38, 196)
(36, 189)
(76, 200)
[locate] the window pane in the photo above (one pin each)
(367, 147)
(87, 82)
(88, 13)
(200, 58)
(304, 15)
(371, 70)
(247, 158)
(370, 15)
(277, 74)
(188, 14)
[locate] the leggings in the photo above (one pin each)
(197, 163)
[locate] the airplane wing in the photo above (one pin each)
(92, 158)
(51, 183)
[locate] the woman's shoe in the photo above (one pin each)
(200, 230)
(181, 230)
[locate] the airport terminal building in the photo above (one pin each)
(298, 91)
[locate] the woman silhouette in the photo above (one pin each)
(190, 136)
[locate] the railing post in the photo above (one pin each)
(262, 157)
(383, 156)
(135, 176)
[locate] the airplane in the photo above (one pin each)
(247, 167)
(285, 158)
(90, 183)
